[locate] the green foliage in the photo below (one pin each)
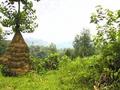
(3, 43)
(42, 51)
(80, 74)
(37, 65)
(108, 40)
(3, 46)
(52, 48)
(38, 51)
(44, 58)
(1, 34)
(107, 26)
(83, 45)
(51, 62)
(10, 17)
(23, 1)
(30, 81)
(77, 74)
(70, 52)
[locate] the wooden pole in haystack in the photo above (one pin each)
(16, 60)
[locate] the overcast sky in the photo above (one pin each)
(60, 20)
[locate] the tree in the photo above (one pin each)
(39, 51)
(52, 48)
(3, 44)
(82, 44)
(16, 59)
(16, 19)
(1, 36)
(69, 52)
(108, 40)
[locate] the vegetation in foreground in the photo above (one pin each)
(70, 75)
(77, 74)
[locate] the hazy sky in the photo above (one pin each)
(60, 20)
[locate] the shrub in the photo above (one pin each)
(43, 65)
(52, 62)
(81, 73)
(37, 65)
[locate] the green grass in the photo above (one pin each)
(31, 81)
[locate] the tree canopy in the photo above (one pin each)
(82, 44)
(108, 40)
(9, 16)
(107, 25)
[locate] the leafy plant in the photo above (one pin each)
(83, 44)
(108, 40)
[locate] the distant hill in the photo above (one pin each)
(34, 41)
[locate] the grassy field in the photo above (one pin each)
(30, 81)
(71, 75)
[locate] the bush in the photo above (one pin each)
(52, 62)
(37, 65)
(80, 73)
(49, 63)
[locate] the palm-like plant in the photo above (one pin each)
(16, 59)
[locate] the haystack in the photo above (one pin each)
(16, 60)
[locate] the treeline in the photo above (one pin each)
(83, 46)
